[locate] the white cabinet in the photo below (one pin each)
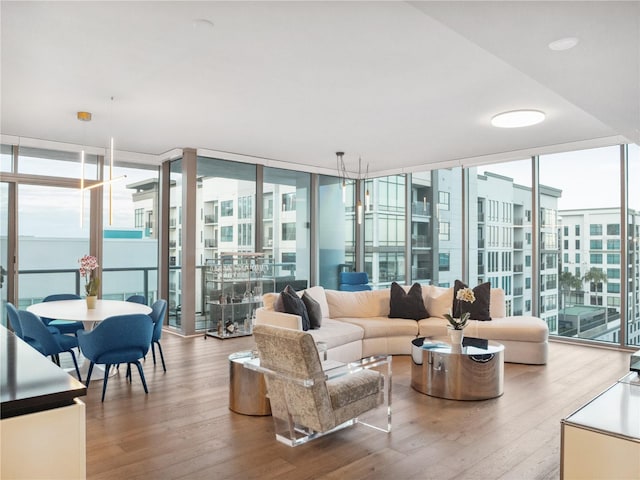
(50, 444)
(601, 440)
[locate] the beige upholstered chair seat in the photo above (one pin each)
(307, 402)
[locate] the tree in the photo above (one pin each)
(596, 275)
(568, 282)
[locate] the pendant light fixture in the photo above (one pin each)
(86, 117)
(344, 176)
(83, 117)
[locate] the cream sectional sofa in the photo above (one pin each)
(356, 324)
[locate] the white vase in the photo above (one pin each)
(456, 336)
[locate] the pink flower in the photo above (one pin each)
(88, 266)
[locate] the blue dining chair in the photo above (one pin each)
(14, 323)
(47, 343)
(354, 281)
(14, 320)
(64, 326)
(158, 311)
(115, 340)
(141, 299)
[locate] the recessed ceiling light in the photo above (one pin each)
(517, 118)
(563, 44)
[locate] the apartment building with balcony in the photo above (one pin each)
(591, 244)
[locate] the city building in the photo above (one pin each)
(591, 252)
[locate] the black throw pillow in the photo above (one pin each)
(293, 304)
(313, 310)
(407, 304)
(479, 309)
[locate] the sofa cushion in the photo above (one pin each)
(293, 304)
(335, 333)
(519, 328)
(313, 310)
(365, 304)
(479, 309)
(383, 326)
(439, 301)
(318, 294)
(409, 305)
(497, 306)
(269, 300)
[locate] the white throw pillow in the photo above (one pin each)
(441, 301)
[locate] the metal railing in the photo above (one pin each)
(74, 283)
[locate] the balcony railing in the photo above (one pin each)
(420, 208)
(420, 273)
(518, 268)
(210, 219)
(420, 241)
(481, 216)
(517, 291)
(481, 243)
(134, 279)
(210, 243)
(518, 245)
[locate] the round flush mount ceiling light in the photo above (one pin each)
(517, 118)
(563, 44)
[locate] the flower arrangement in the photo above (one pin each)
(88, 270)
(463, 295)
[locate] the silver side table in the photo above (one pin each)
(247, 388)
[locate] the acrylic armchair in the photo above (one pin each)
(308, 402)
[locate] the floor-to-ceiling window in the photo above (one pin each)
(175, 244)
(286, 225)
(4, 253)
(130, 220)
(336, 229)
(436, 226)
(580, 243)
(226, 217)
(499, 226)
(6, 162)
(421, 218)
(53, 222)
(447, 198)
(633, 247)
(384, 230)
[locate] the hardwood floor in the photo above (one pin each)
(183, 428)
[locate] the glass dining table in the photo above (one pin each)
(76, 310)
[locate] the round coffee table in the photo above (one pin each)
(461, 373)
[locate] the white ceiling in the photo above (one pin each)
(400, 84)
